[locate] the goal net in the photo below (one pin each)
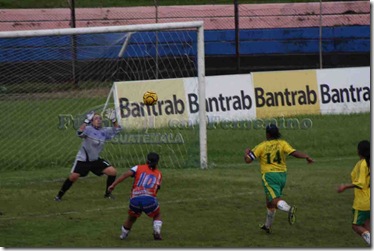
(51, 78)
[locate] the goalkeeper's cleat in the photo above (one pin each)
(109, 196)
(124, 233)
(157, 236)
(292, 215)
(57, 198)
(266, 229)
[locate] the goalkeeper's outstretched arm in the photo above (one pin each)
(86, 122)
(111, 115)
(81, 130)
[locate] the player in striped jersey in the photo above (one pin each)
(360, 177)
(271, 154)
(88, 159)
(147, 182)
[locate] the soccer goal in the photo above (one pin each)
(49, 80)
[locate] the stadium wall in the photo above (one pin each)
(349, 39)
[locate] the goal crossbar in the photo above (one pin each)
(102, 29)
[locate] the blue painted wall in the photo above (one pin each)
(352, 39)
(289, 41)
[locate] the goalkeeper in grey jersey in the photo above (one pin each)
(88, 159)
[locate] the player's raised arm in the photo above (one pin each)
(111, 115)
(301, 155)
(86, 122)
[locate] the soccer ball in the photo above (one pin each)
(150, 98)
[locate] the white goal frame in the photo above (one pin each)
(199, 25)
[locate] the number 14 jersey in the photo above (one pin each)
(271, 154)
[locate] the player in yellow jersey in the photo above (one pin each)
(360, 177)
(272, 156)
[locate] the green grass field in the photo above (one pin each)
(218, 207)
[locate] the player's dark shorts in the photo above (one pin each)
(359, 217)
(147, 204)
(84, 167)
(274, 183)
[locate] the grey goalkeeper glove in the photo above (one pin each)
(89, 117)
(111, 114)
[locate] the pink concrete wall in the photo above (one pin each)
(252, 16)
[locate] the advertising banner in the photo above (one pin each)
(344, 90)
(171, 105)
(244, 97)
(285, 93)
(228, 98)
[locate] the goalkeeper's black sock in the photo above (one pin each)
(109, 181)
(67, 184)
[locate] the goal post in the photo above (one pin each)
(40, 72)
(202, 115)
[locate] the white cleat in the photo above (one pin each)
(124, 233)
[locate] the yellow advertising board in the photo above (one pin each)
(171, 104)
(286, 93)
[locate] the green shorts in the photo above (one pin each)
(274, 183)
(359, 217)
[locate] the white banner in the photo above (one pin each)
(344, 90)
(228, 98)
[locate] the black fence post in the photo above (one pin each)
(320, 35)
(73, 43)
(237, 45)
